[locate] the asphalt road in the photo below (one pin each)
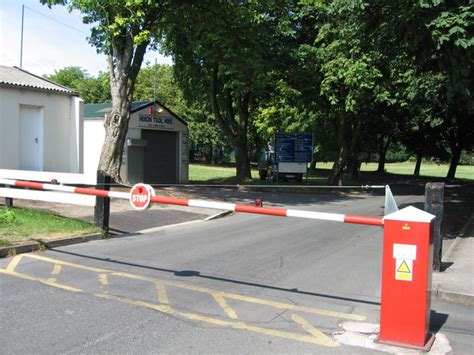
(241, 284)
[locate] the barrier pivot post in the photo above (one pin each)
(406, 279)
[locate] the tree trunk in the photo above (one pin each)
(419, 157)
(354, 168)
(124, 64)
(335, 178)
(383, 148)
(456, 156)
(116, 126)
(242, 161)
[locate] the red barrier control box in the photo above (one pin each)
(406, 279)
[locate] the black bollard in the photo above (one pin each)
(102, 205)
(434, 204)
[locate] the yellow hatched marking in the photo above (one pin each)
(13, 264)
(323, 338)
(255, 329)
(161, 308)
(103, 279)
(227, 309)
(220, 322)
(65, 263)
(238, 297)
(162, 294)
(48, 282)
(56, 269)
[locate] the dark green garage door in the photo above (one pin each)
(160, 157)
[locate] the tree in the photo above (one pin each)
(122, 30)
(68, 76)
(90, 89)
(452, 32)
(226, 54)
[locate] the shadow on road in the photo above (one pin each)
(193, 273)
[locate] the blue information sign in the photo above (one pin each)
(293, 147)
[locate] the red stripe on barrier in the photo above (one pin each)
(261, 210)
(170, 200)
(30, 184)
(373, 221)
(94, 192)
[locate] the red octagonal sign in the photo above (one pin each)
(140, 196)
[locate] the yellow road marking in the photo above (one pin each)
(161, 308)
(65, 263)
(238, 297)
(220, 322)
(56, 269)
(51, 280)
(227, 309)
(43, 281)
(255, 329)
(162, 294)
(323, 338)
(13, 264)
(103, 279)
(315, 337)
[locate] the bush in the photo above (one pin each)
(7, 216)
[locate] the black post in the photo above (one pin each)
(102, 204)
(434, 204)
(8, 200)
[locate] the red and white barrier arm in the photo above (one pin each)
(272, 211)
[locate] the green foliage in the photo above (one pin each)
(90, 89)
(7, 216)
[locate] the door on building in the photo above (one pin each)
(160, 157)
(31, 138)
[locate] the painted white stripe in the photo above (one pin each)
(7, 182)
(48, 196)
(212, 204)
(316, 215)
(58, 188)
(47, 176)
(118, 194)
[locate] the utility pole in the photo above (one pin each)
(154, 83)
(21, 44)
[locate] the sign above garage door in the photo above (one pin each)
(148, 121)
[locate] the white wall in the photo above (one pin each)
(76, 156)
(57, 128)
(94, 135)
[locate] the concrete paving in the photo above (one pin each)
(456, 282)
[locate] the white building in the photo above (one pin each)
(156, 146)
(41, 124)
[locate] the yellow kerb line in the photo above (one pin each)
(238, 297)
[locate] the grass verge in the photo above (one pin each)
(216, 174)
(21, 225)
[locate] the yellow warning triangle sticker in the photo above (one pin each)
(404, 267)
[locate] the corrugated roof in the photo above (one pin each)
(99, 110)
(18, 77)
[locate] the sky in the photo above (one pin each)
(52, 39)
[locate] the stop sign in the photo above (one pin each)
(140, 196)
